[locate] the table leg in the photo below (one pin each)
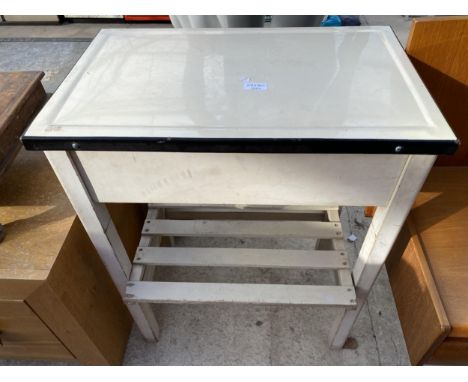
(142, 312)
(98, 224)
(379, 240)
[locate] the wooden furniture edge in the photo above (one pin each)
(409, 237)
(432, 288)
(33, 96)
(55, 303)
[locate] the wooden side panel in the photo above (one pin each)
(422, 315)
(453, 351)
(21, 96)
(81, 305)
(438, 48)
(11, 289)
(440, 214)
(24, 335)
(128, 220)
(37, 217)
(55, 351)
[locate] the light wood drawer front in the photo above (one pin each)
(241, 179)
(23, 334)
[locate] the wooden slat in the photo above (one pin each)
(242, 257)
(309, 213)
(242, 228)
(243, 215)
(180, 292)
(266, 209)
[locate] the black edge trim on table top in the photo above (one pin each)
(255, 145)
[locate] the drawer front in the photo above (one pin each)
(240, 179)
(451, 352)
(24, 335)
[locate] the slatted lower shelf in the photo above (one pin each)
(271, 294)
(329, 256)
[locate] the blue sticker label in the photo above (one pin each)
(255, 86)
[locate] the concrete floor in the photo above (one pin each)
(230, 334)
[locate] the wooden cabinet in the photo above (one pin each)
(23, 333)
(428, 270)
(56, 299)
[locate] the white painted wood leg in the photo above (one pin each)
(379, 240)
(94, 216)
(102, 232)
(142, 312)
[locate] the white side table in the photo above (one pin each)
(243, 119)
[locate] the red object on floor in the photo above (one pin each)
(164, 18)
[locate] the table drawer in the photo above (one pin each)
(451, 352)
(24, 335)
(240, 179)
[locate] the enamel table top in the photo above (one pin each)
(296, 90)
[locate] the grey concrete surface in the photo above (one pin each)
(231, 334)
(55, 59)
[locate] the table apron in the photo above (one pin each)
(240, 179)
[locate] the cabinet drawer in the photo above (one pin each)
(24, 335)
(240, 179)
